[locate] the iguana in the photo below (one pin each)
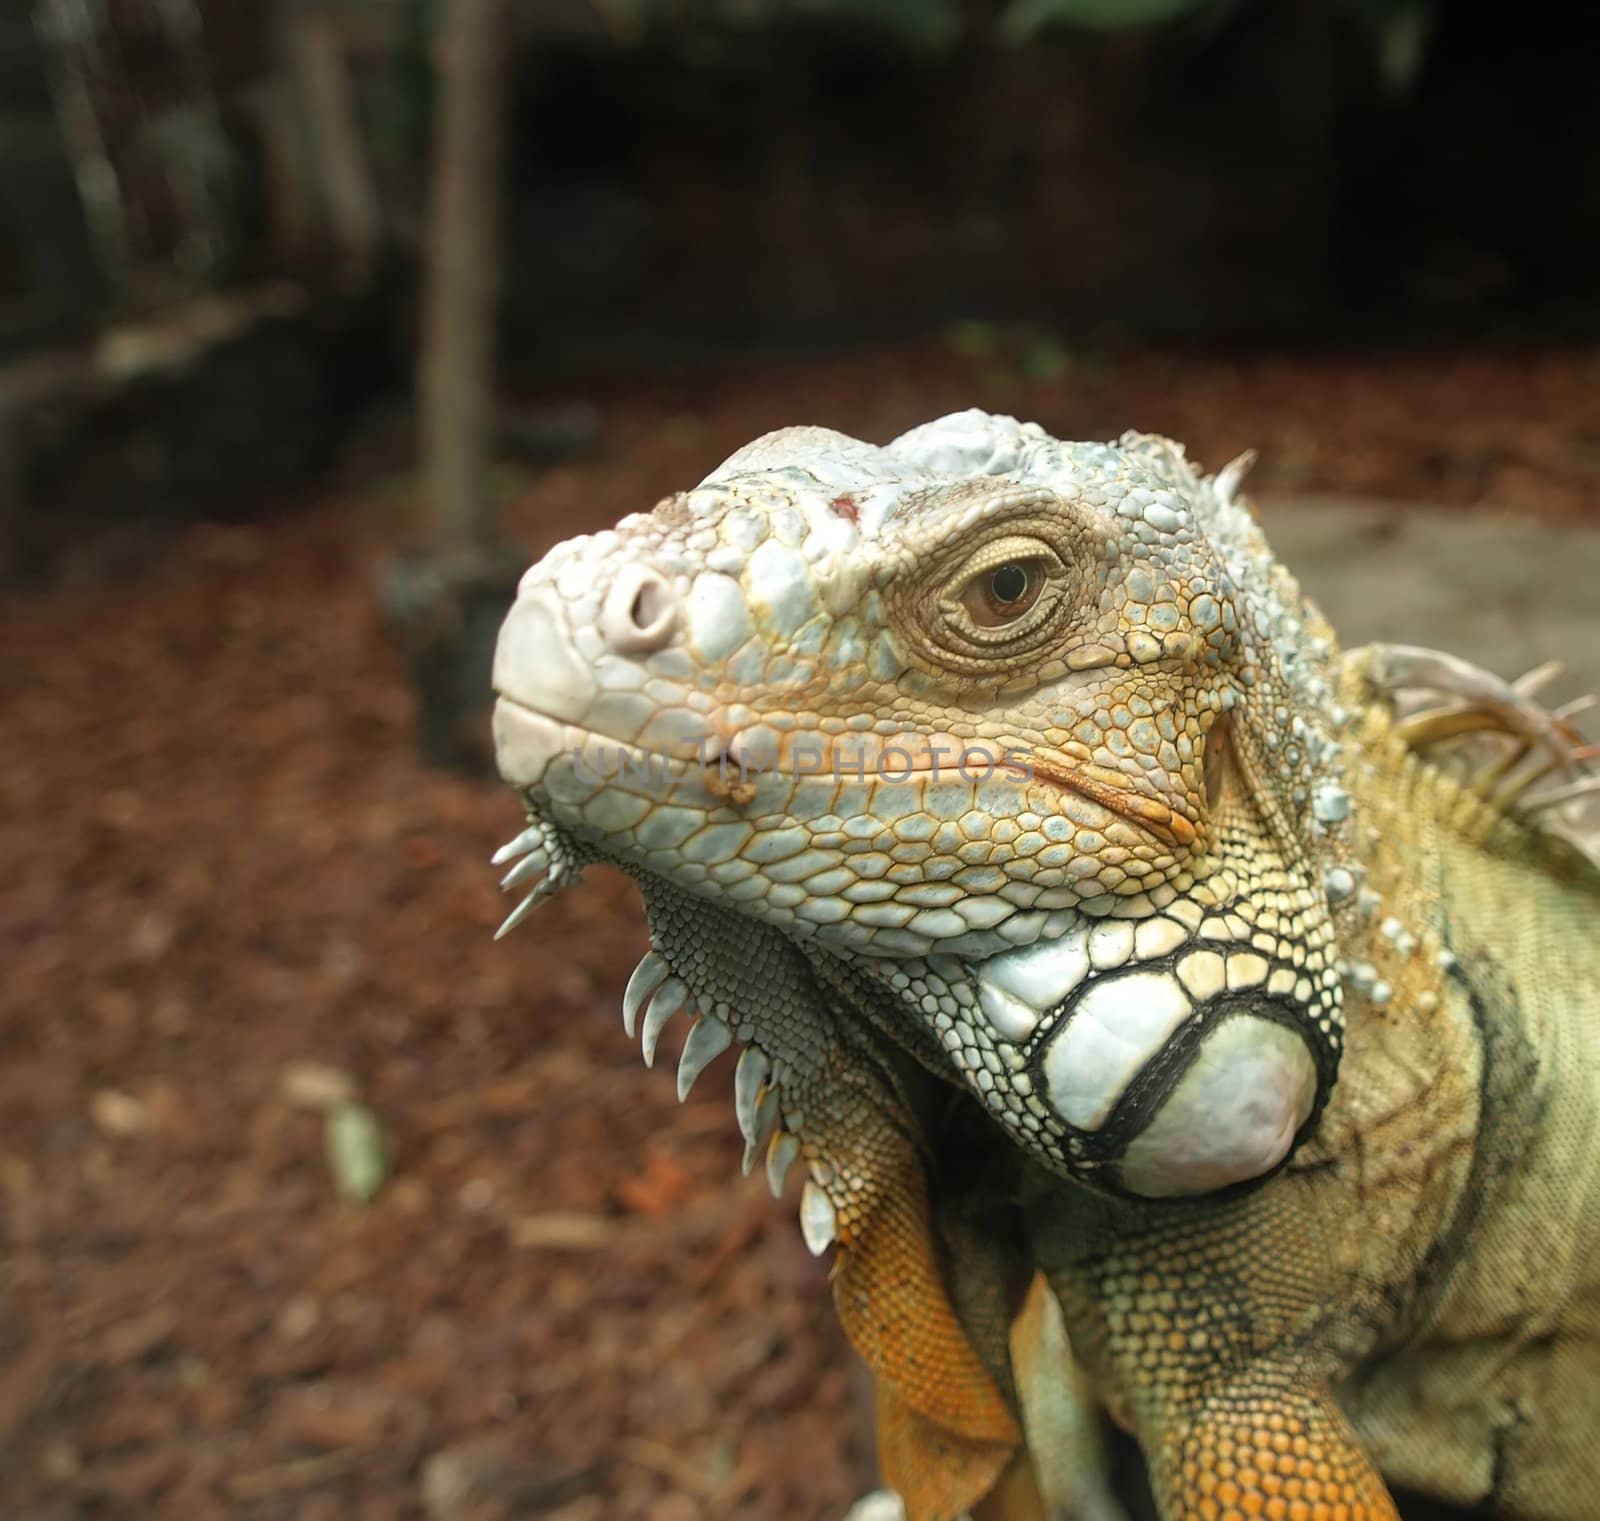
(1172, 1012)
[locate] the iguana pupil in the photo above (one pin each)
(1009, 583)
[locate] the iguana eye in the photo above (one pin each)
(993, 602)
(1004, 593)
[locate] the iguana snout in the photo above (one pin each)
(573, 664)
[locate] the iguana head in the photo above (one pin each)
(1024, 747)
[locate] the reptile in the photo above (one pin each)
(1175, 1015)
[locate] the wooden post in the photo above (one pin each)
(466, 217)
(449, 600)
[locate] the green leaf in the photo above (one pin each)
(1045, 358)
(1403, 39)
(1024, 19)
(972, 339)
(355, 1151)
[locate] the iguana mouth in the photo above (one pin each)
(1143, 812)
(528, 739)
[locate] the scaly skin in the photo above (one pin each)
(1191, 989)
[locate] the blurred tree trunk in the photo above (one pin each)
(449, 601)
(464, 271)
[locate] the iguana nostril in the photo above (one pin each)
(640, 611)
(646, 609)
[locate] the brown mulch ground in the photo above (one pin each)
(229, 892)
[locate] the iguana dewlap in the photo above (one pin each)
(1080, 911)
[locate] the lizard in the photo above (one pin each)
(1174, 1013)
